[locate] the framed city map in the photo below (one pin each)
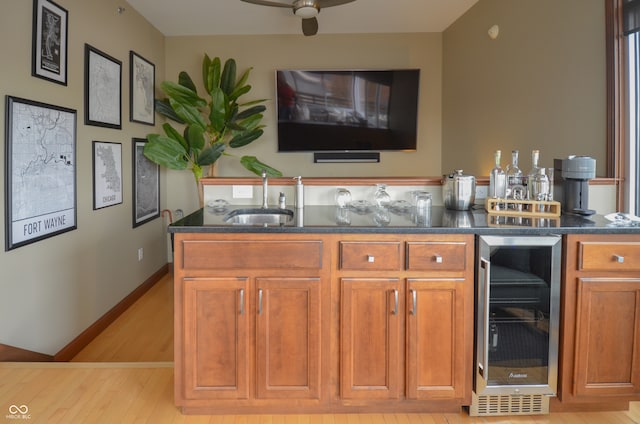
(103, 89)
(40, 171)
(146, 185)
(142, 80)
(107, 174)
(49, 41)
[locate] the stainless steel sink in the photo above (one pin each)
(259, 216)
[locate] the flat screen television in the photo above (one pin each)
(347, 110)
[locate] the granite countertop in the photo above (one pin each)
(328, 219)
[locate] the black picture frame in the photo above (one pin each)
(107, 174)
(49, 41)
(103, 89)
(40, 171)
(142, 82)
(146, 185)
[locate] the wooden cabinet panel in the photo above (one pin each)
(251, 254)
(288, 338)
(371, 316)
(370, 256)
(609, 256)
(607, 337)
(436, 256)
(216, 351)
(436, 339)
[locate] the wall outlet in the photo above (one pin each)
(242, 191)
(140, 254)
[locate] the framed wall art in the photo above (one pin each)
(107, 174)
(146, 185)
(49, 41)
(103, 89)
(40, 171)
(142, 74)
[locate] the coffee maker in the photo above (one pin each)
(575, 173)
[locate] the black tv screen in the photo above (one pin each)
(347, 110)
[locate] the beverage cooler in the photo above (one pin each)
(517, 324)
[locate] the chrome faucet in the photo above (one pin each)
(265, 186)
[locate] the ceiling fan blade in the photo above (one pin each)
(310, 26)
(328, 3)
(268, 3)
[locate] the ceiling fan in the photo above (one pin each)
(305, 9)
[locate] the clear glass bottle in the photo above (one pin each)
(381, 198)
(497, 179)
(531, 176)
(514, 176)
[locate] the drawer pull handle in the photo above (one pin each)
(371, 258)
(619, 258)
(241, 301)
(414, 298)
(395, 294)
(438, 259)
(260, 302)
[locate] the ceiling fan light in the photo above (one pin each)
(306, 12)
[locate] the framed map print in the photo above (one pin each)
(49, 41)
(40, 155)
(103, 89)
(107, 174)
(141, 93)
(146, 185)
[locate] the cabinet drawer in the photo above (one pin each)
(252, 254)
(436, 256)
(614, 256)
(370, 256)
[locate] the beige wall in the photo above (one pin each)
(268, 53)
(52, 290)
(539, 85)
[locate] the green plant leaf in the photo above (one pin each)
(218, 109)
(195, 135)
(166, 152)
(185, 80)
(251, 111)
(253, 102)
(164, 108)
(189, 114)
(206, 63)
(182, 94)
(243, 79)
(251, 122)
(254, 165)
(239, 92)
(174, 134)
(216, 72)
(244, 138)
(228, 79)
(211, 154)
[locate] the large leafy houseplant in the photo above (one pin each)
(207, 127)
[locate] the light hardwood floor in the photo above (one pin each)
(126, 376)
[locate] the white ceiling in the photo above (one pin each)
(234, 17)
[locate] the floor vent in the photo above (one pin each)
(495, 405)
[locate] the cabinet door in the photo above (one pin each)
(216, 355)
(371, 321)
(607, 337)
(436, 339)
(288, 338)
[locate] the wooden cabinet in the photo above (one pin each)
(277, 323)
(406, 320)
(249, 321)
(600, 343)
(288, 325)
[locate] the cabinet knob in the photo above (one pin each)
(619, 258)
(371, 258)
(438, 259)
